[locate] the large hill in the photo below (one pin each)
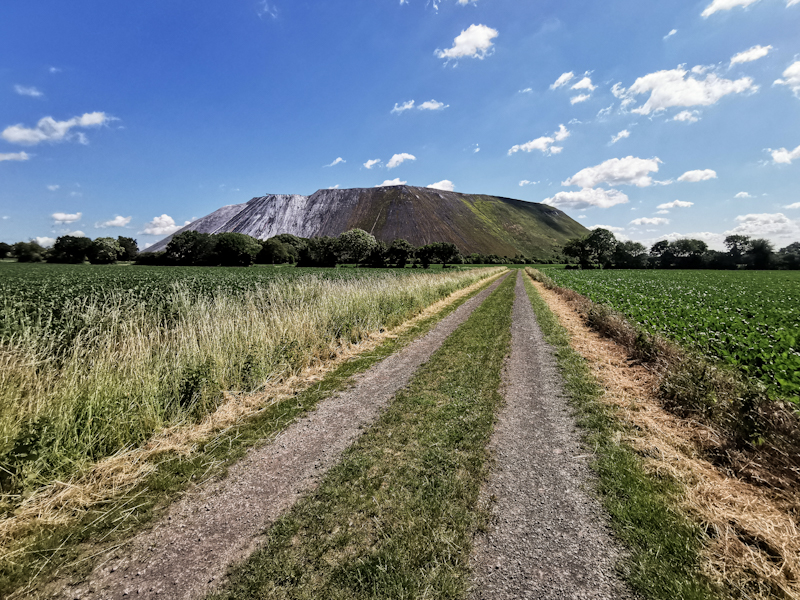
(473, 222)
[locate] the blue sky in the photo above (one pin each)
(656, 119)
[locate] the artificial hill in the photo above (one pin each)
(473, 222)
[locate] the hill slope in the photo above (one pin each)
(475, 223)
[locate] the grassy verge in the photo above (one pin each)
(45, 552)
(395, 518)
(664, 546)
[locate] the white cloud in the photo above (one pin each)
(50, 130)
(390, 182)
(675, 204)
(163, 225)
(580, 98)
(584, 84)
(544, 143)
(698, 175)
(526, 91)
(662, 212)
(611, 228)
(267, 9)
(718, 5)
(621, 135)
(372, 162)
(525, 182)
(117, 221)
(76, 233)
(562, 80)
(336, 162)
(765, 224)
(785, 156)
(432, 105)
(617, 171)
(399, 159)
(31, 91)
(750, 55)
(562, 133)
(45, 241)
(650, 221)
(743, 195)
(475, 42)
(465, 2)
(61, 217)
(15, 156)
(791, 77)
(604, 112)
(688, 116)
(445, 185)
(334, 187)
(670, 34)
(53, 188)
(793, 206)
(672, 88)
(587, 198)
(398, 108)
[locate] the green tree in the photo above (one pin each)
(593, 250)
(377, 256)
(760, 253)
(129, 248)
(319, 252)
(274, 252)
(235, 249)
(737, 245)
(629, 255)
(355, 245)
(28, 252)
(5, 250)
(104, 251)
(191, 248)
(400, 252)
(688, 252)
(446, 252)
(69, 249)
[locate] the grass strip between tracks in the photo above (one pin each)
(663, 546)
(70, 552)
(395, 518)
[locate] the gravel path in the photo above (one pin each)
(188, 551)
(547, 537)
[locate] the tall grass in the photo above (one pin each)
(129, 371)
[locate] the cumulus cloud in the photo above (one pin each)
(50, 130)
(399, 159)
(766, 225)
(750, 55)
(473, 42)
(31, 91)
(562, 133)
(584, 84)
(562, 80)
(791, 78)
(432, 105)
(117, 221)
(675, 204)
(610, 228)
(621, 135)
(61, 218)
(372, 162)
(580, 98)
(743, 195)
(687, 116)
(785, 156)
(336, 162)
(543, 144)
(718, 5)
(650, 221)
(617, 171)
(15, 156)
(398, 108)
(390, 182)
(587, 198)
(525, 182)
(793, 206)
(672, 87)
(698, 175)
(45, 241)
(163, 225)
(334, 187)
(445, 185)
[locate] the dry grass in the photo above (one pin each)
(61, 503)
(753, 544)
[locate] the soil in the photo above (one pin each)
(187, 553)
(548, 536)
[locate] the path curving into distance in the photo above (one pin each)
(547, 537)
(186, 554)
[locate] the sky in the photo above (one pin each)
(657, 120)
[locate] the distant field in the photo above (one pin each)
(750, 319)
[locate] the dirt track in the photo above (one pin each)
(547, 538)
(186, 554)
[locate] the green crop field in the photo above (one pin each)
(749, 319)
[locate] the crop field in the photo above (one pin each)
(749, 319)
(95, 360)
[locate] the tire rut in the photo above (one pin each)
(547, 537)
(188, 551)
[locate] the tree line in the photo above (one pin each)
(601, 250)
(74, 249)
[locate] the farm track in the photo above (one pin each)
(186, 554)
(547, 537)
